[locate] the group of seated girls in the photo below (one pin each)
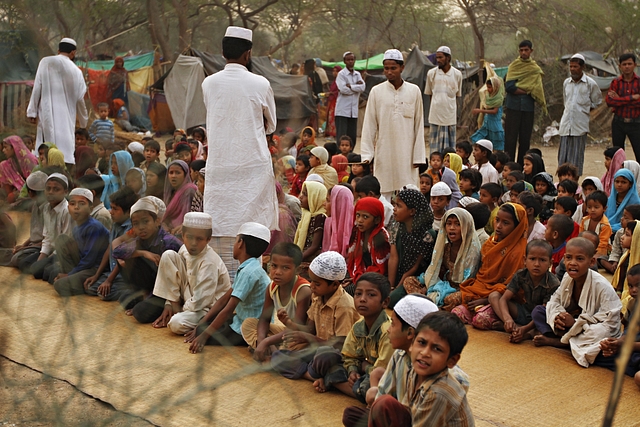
(343, 254)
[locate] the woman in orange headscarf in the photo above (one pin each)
(117, 84)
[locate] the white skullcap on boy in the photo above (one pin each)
(321, 153)
(485, 143)
(149, 204)
(256, 230)
(315, 178)
(199, 220)
(37, 181)
(59, 177)
(329, 266)
(466, 201)
(440, 189)
(84, 192)
(136, 147)
(412, 308)
(394, 54)
(239, 33)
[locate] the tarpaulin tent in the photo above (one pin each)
(183, 89)
(294, 100)
(18, 56)
(374, 63)
(131, 63)
(604, 70)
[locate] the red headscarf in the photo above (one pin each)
(378, 243)
(339, 163)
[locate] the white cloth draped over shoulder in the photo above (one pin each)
(600, 317)
(58, 95)
(393, 134)
(240, 183)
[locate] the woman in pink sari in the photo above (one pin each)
(178, 195)
(18, 166)
(339, 223)
(330, 129)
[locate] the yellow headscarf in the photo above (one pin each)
(55, 158)
(633, 256)
(455, 164)
(317, 196)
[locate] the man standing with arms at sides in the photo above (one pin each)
(581, 94)
(444, 85)
(241, 110)
(524, 88)
(393, 130)
(624, 98)
(58, 94)
(350, 86)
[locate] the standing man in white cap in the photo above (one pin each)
(241, 110)
(58, 95)
(350, 86)
(444, 85)
(393, 130)
(581, 94)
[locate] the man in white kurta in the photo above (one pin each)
(393, 129)
(240, 183)
(58, 95)
(194, 281)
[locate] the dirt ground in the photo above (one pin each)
(30, 398)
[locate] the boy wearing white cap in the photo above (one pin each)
(222, 325)
(57, 220)
(439, 199)
(192, 279)
(34, 185)
(482, 150)
(79, 255)
(444, 86)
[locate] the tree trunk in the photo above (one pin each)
(155, 30)
(184, 36)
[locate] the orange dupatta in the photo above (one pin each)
(500, 261)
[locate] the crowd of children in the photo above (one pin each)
(494, 245)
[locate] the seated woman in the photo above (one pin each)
(119, 164)
(156, 173)
(178, 195)
(15, 170)
(456, 257)
(502, 255)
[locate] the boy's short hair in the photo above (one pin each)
(183, 146)
(513, 166)
(518, 175)
(168, 144)
(426, 175)
(584, 244)
(568, 203)
(304, 159)
(347, 138)
(153, 145)
(234, 48)
(591, 234)
(332, 148)
(473, 176)
(562, 224)
(255, 247)
(124, 198)
(568, 169)
(436, 153)
(379, 281)
(493, 189)
(368, 184)
(631, 226)
(102, 105)
(502, 157)
(465, 146)
(480, 213)
(540, 243)
(531, 200)
(626, 56)
(448, 150)
(599, 197)
(569, 186)
(290, 250)
(82, 132)
(526, 43)
(196, 165)
(449, 327)
(92, 182)
(634, 210)
(634, 271)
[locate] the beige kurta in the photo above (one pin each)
(198, 281)
(393, 134)
(600, 317)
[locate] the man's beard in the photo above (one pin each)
(249, 66)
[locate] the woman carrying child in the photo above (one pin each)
(502, 255)
(623, 194)
(411, 241)
(15, 170)
(178, 195)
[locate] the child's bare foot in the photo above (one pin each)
(541, 341)
(319, 385)
(129, 312)
(498, 325)
(636, 379)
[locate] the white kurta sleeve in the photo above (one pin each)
(36, 93)
(269, 111)
(369, 128)
(596, 94)
(428, 87)
(419, 150)
(211, 282)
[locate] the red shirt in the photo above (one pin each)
(625, 106)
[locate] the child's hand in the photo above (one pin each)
(90, 281)
(261, 352)
(477, 303)
(190, 336)
(198, 343)
(510, 326)
(371, 396)
(353, 377)
(283, 316)
(475, 111)
(60, 276)
(296, 337)
(568, 320)
(609, 346)
(163, 320)
(516, 335)
(105, 288)
(155, 258)
(558, 322)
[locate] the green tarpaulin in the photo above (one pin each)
(131, 63)
(501, 71)
(375, 63)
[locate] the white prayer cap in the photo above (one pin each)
(256, 230)
(412, 308)
(347, 53)
(444, 49)
(60, 177)
(315, 178)
(69, 41)
(466, 201)
(199, 220)
(329, 266)
(84, 192)
(239, 33)
(394, 54)
(411, 187)
(321, 153)
(203, 172)
(37, 181)
(150, 204)
(440, 189)
(136, 147)
(578, 56)
(485, 143)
